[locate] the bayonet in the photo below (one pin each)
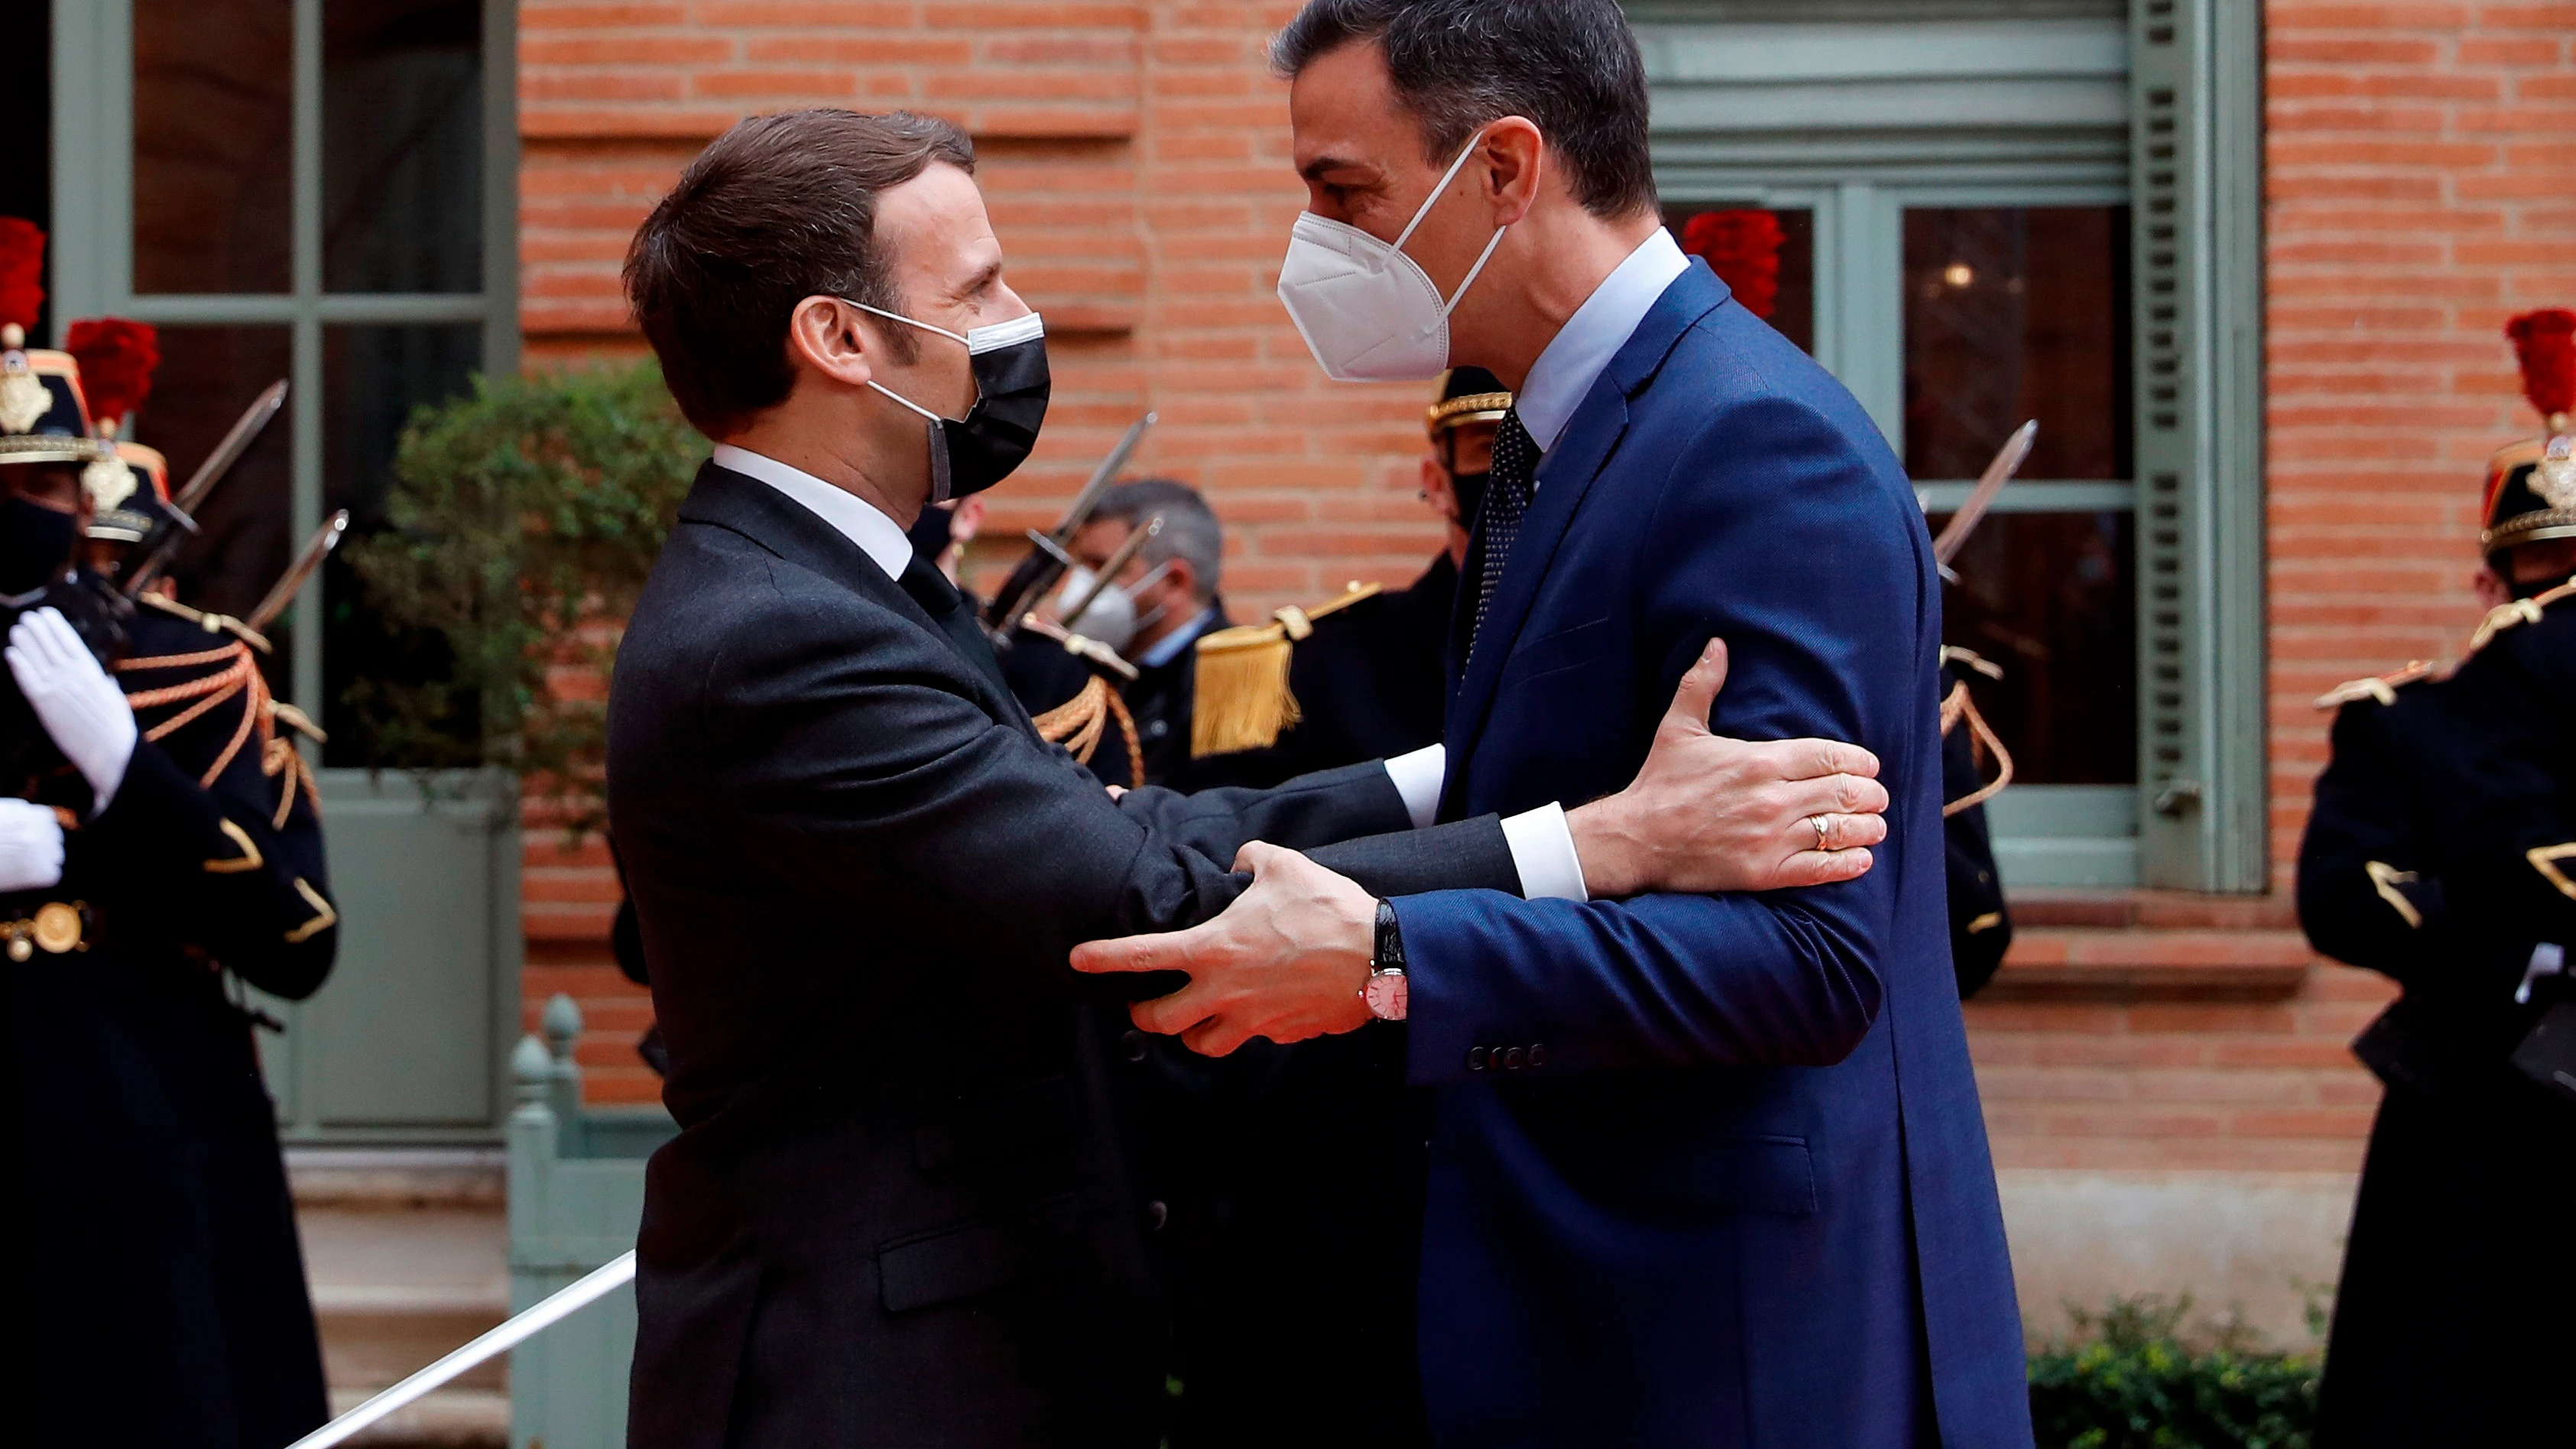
(163, 543)
(318, 548)
(246, 431)
(1047, 558)
(1116, 565)
(2008, 461)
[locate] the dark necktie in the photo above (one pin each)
(1507, 497)
(938, 598)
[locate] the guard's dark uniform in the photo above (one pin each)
(165, 1285)
(152, 1269)
(2428, 858)
(1980, 922)
(1371, 683)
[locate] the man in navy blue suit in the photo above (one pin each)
(1706, 1169)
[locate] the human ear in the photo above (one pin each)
(823, 336)
(1516, 160)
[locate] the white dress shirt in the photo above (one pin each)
(1574, 358)
(1542, 844)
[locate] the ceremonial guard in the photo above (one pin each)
(2432, 856)
(1366, 675)
(161, 855)
(1975, 768)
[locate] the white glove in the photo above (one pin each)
(31, 846)
(74, 699)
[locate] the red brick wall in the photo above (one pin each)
(2422, 183)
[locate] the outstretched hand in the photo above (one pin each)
(1708, 813)
(1286, 961)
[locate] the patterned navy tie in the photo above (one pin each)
(1507, 497)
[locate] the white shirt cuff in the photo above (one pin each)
(1418, 778)
(1543, 852)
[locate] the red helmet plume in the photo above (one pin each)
(116, 357)
(22, 272)
(2545, 343)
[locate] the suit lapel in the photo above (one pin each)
(726, 499)
(1565, 476)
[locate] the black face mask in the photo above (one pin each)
(35, 546)
(971, 454)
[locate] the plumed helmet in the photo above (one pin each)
(2531, 485)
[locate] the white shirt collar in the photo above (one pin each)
(1565, 372)
(858, 520)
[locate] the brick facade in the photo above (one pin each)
(2422, 187)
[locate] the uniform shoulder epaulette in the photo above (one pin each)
(211, 623)
(1241, 698)
(2381, 687)
(2519, 611)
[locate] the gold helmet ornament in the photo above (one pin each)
(2531, 485)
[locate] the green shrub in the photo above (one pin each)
(2130, 1381)
(523, 519)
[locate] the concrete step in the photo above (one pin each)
(407, 1254)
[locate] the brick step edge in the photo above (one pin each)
(442, 1419)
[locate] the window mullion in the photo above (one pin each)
(307, 440)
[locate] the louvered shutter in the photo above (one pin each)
(2195, 126)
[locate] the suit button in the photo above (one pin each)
(1133, 1044)
(1157, 730)
(1156, 1214)
(1476, 1059)
(1538, 1054)
(1512, 1059)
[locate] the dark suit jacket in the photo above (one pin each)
(1708, 1170)
(900, 1210)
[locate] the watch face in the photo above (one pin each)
(1386, 996)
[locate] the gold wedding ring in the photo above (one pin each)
(1824, 833)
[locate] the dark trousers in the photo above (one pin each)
(2455, 1322)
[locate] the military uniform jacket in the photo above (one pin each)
(157, 1258)
(901, 1208)
(1371, 683)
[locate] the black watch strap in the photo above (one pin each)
(1389, 955)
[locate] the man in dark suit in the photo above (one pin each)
(900, 1209)
(1707, 1169)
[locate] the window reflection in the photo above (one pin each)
(207, 376)
(2015, 313)
(1768, 257)
(377, 376)
(213, 137)
(402, 146)
(2051, 598)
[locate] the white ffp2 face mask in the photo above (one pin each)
(1368, 312)
(1111, 617)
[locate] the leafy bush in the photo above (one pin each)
(2132, 1382)
(523, 519)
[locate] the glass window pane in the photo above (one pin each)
(2014, 313)
(402, 146)
(2050, 598)
(207, 376)
(213, 137)
(1767, 257)
(377, 377)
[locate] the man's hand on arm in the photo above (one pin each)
(1707, 813)
(1286, 961)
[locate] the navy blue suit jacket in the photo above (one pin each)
(1708, 1170)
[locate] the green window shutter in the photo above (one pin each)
(2196, 151)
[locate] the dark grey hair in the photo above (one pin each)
(1569, 66)
(1190, 530)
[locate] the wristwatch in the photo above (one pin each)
(1385, 990)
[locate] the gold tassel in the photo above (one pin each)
(1242, 700)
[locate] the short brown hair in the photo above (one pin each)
(777, 209)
